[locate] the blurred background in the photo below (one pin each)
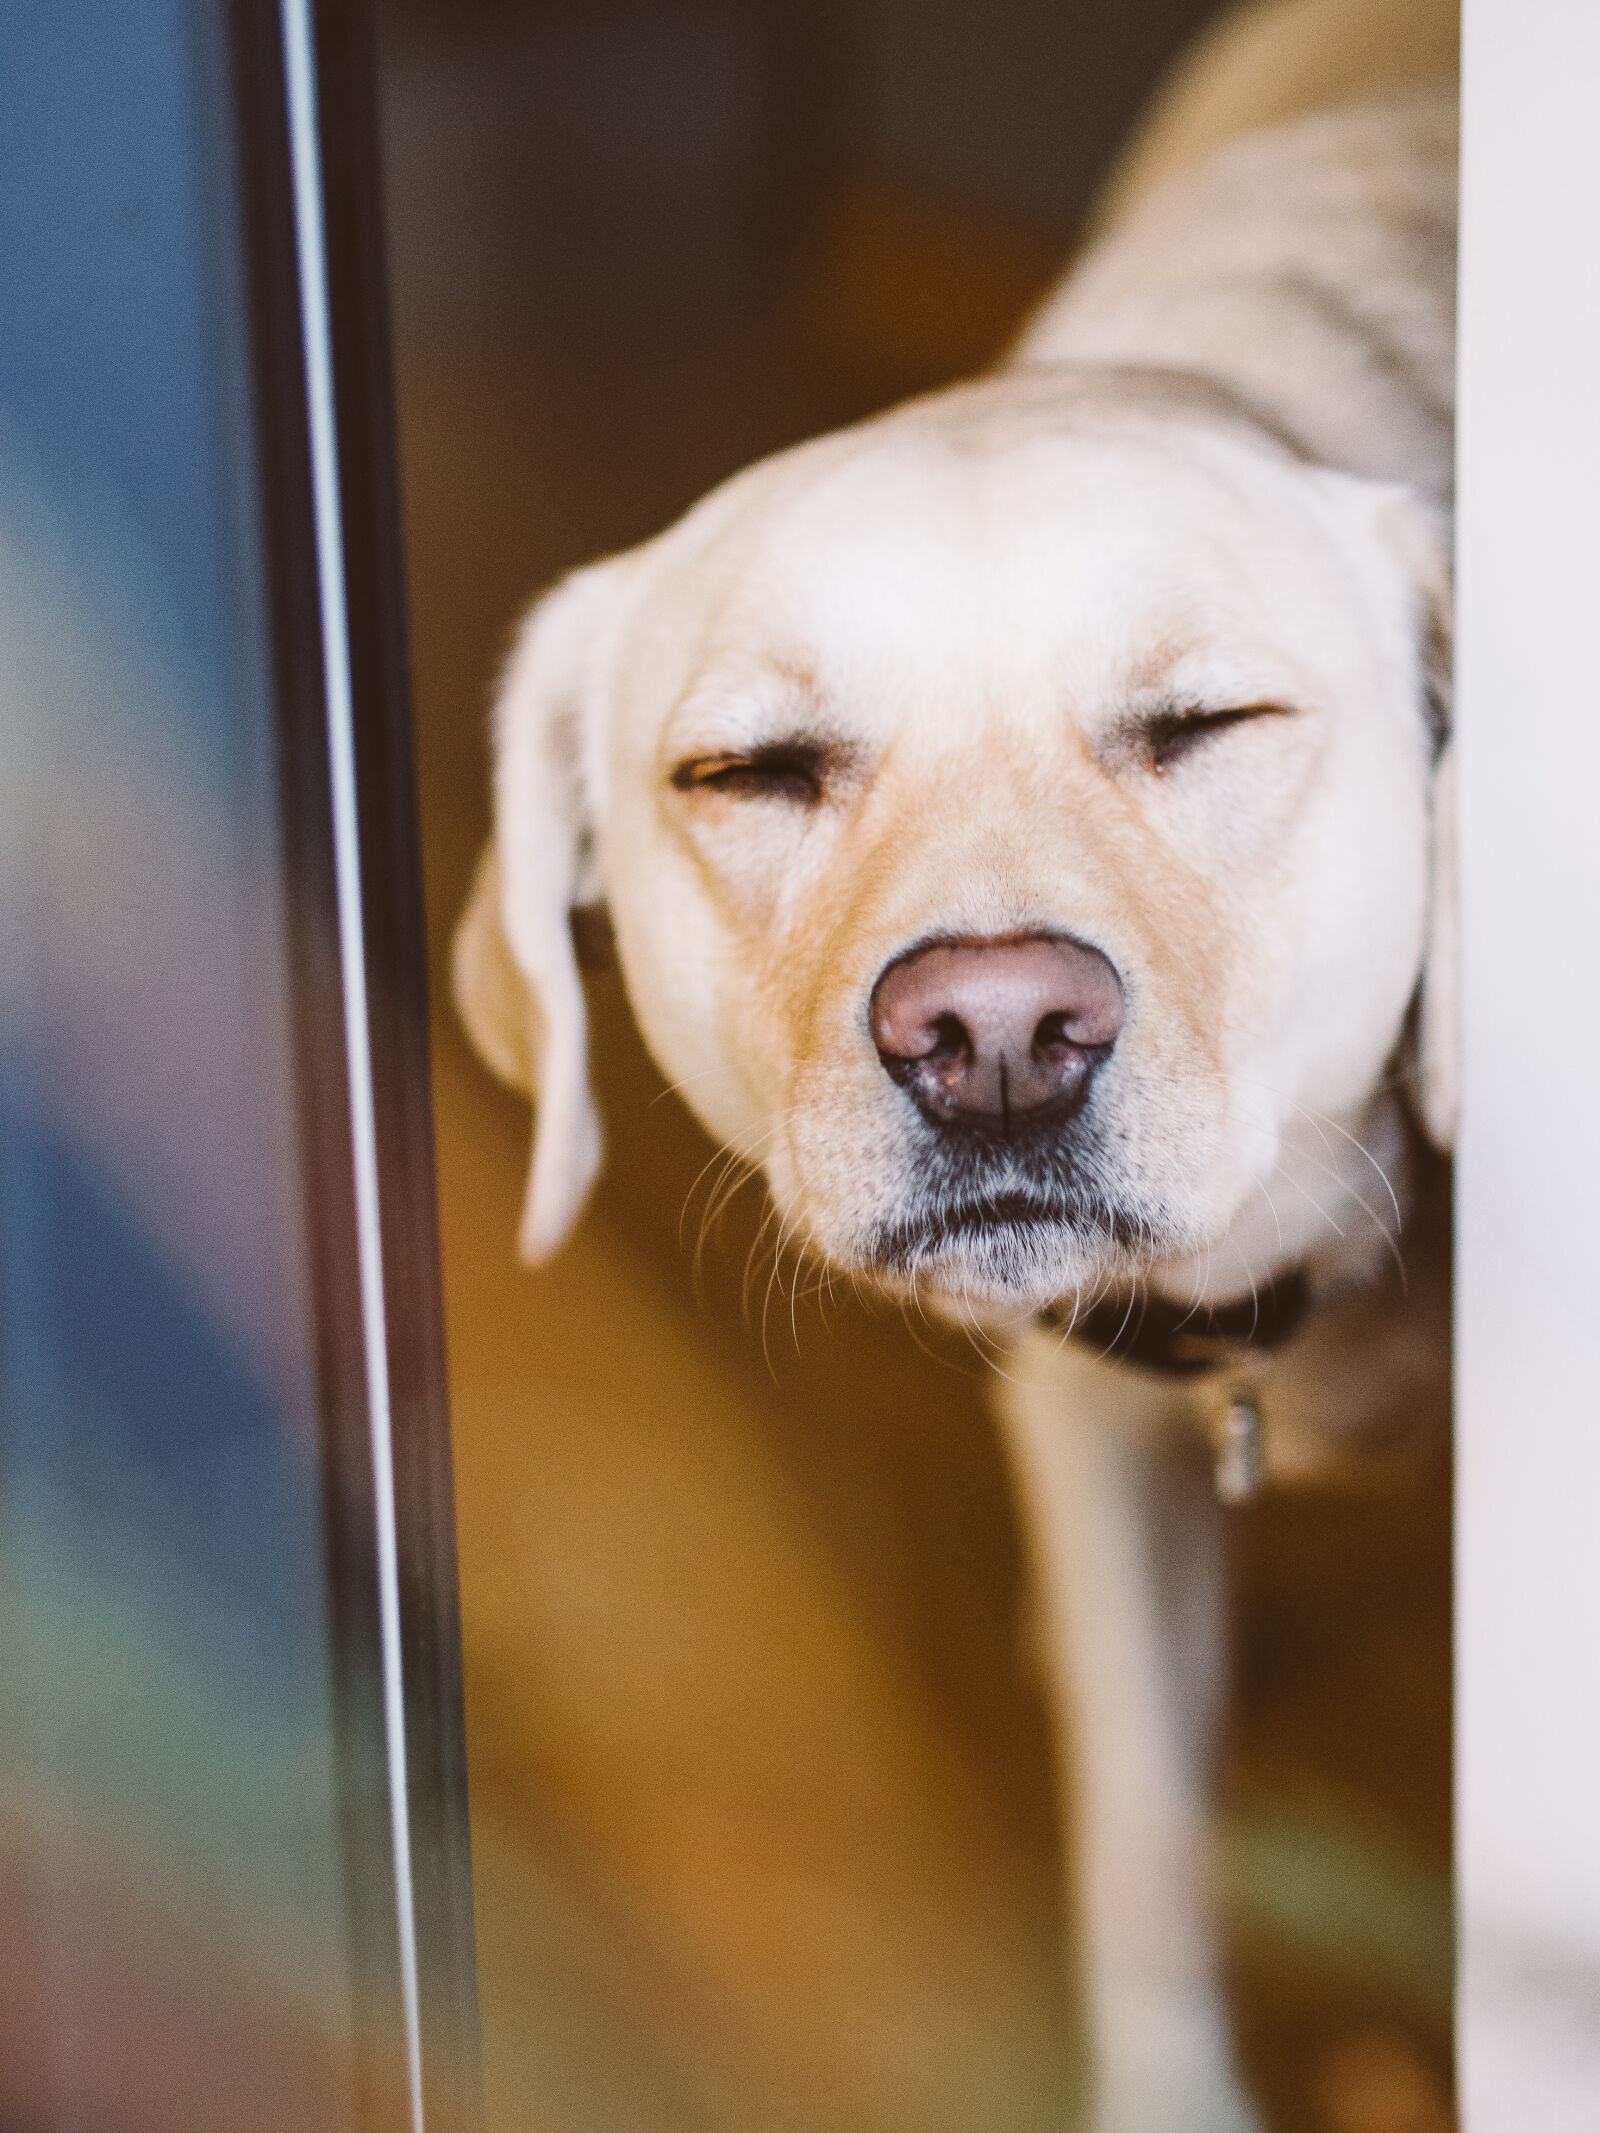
(765, 1833)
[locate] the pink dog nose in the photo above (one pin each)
(986, 1032)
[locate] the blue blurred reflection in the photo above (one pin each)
(172, 1933)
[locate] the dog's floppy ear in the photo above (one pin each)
(1423, 540)
(1438, 1080)
(1419, 534)
(1415, 534)
(516, 973)
(491, 993)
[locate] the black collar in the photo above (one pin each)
(1185, 1341)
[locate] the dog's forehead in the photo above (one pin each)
(930, 557)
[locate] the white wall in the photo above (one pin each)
(1528, 1293)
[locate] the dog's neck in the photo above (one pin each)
(1328, 1220)
(1332, 1211)
(1187, 1341)
(1332, 1365)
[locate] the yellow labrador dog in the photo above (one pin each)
(1024, 821)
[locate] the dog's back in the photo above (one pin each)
(1289, 231)
(1266, 62)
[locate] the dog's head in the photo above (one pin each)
(1017, 818)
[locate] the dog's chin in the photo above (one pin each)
(1007, 1254)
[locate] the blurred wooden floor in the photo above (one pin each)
(763, 1823)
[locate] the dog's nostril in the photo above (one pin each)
(1051, 1036)
(951, 1038)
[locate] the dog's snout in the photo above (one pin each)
(989, 1032)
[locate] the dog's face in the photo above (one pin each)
(1015, 820)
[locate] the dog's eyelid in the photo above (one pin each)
(1164, 736)
(796, 768)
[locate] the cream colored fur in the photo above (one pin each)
(1214, 475)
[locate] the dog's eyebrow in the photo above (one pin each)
(739, 705)
(790, 674)
(1150, 675)
(796, 671)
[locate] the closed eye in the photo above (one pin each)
(1169, 736)
(794, 771)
